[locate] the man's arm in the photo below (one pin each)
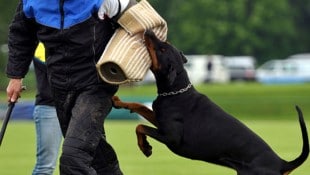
(22, 42)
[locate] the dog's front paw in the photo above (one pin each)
(116, 102)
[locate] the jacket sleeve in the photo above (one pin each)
(22, 41)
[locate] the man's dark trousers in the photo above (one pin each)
(81, 114)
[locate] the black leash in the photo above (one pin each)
(6, 120)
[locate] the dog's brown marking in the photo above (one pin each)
(152, 51)
(141, 132)
(144, 111)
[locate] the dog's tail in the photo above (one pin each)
(290, 166)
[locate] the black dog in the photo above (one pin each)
(192, 126)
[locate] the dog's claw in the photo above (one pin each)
(147, 150)
(116, 102)
(145, 147)
(147, 153)
(115, 98)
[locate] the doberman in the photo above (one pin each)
(192, 126)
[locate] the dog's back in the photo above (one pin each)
(191, 125)
(208, 132)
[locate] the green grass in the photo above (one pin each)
(268, 110)
(245, 100)
(18, 149)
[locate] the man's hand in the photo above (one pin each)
(14, 89)
(111, 8)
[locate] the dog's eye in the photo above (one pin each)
(162, 49)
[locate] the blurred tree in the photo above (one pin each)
(7, 9)
(301, 10)
(262, 28)
(272, 25)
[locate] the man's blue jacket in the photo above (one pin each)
(72, 34)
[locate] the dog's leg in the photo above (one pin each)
(137, 108)
(142, 131)
(143, 144)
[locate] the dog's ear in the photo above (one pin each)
(184, 59)
(172, 74)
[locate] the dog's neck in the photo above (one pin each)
(180, 91)
(181, 85)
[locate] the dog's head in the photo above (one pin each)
(167, 61)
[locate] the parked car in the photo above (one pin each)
(197, 69)
(294, 69)
(241, 67)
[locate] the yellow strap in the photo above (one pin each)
(40, 52)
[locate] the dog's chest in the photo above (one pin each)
(171, 107)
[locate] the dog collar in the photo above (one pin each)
(181, 91)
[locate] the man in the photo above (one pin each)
(74, 38)
(48, 133)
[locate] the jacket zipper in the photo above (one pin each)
(62, 21)
(94, 51)
(62, 14)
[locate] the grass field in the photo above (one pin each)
(268, 110)
(243, 100)
(17, 151)
(246, 100)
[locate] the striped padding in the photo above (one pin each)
(126, 58)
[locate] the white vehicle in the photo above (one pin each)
(294, 69)
(197, 69)
(241, 67)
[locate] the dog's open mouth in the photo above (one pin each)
(148, 37)
(149, 40)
